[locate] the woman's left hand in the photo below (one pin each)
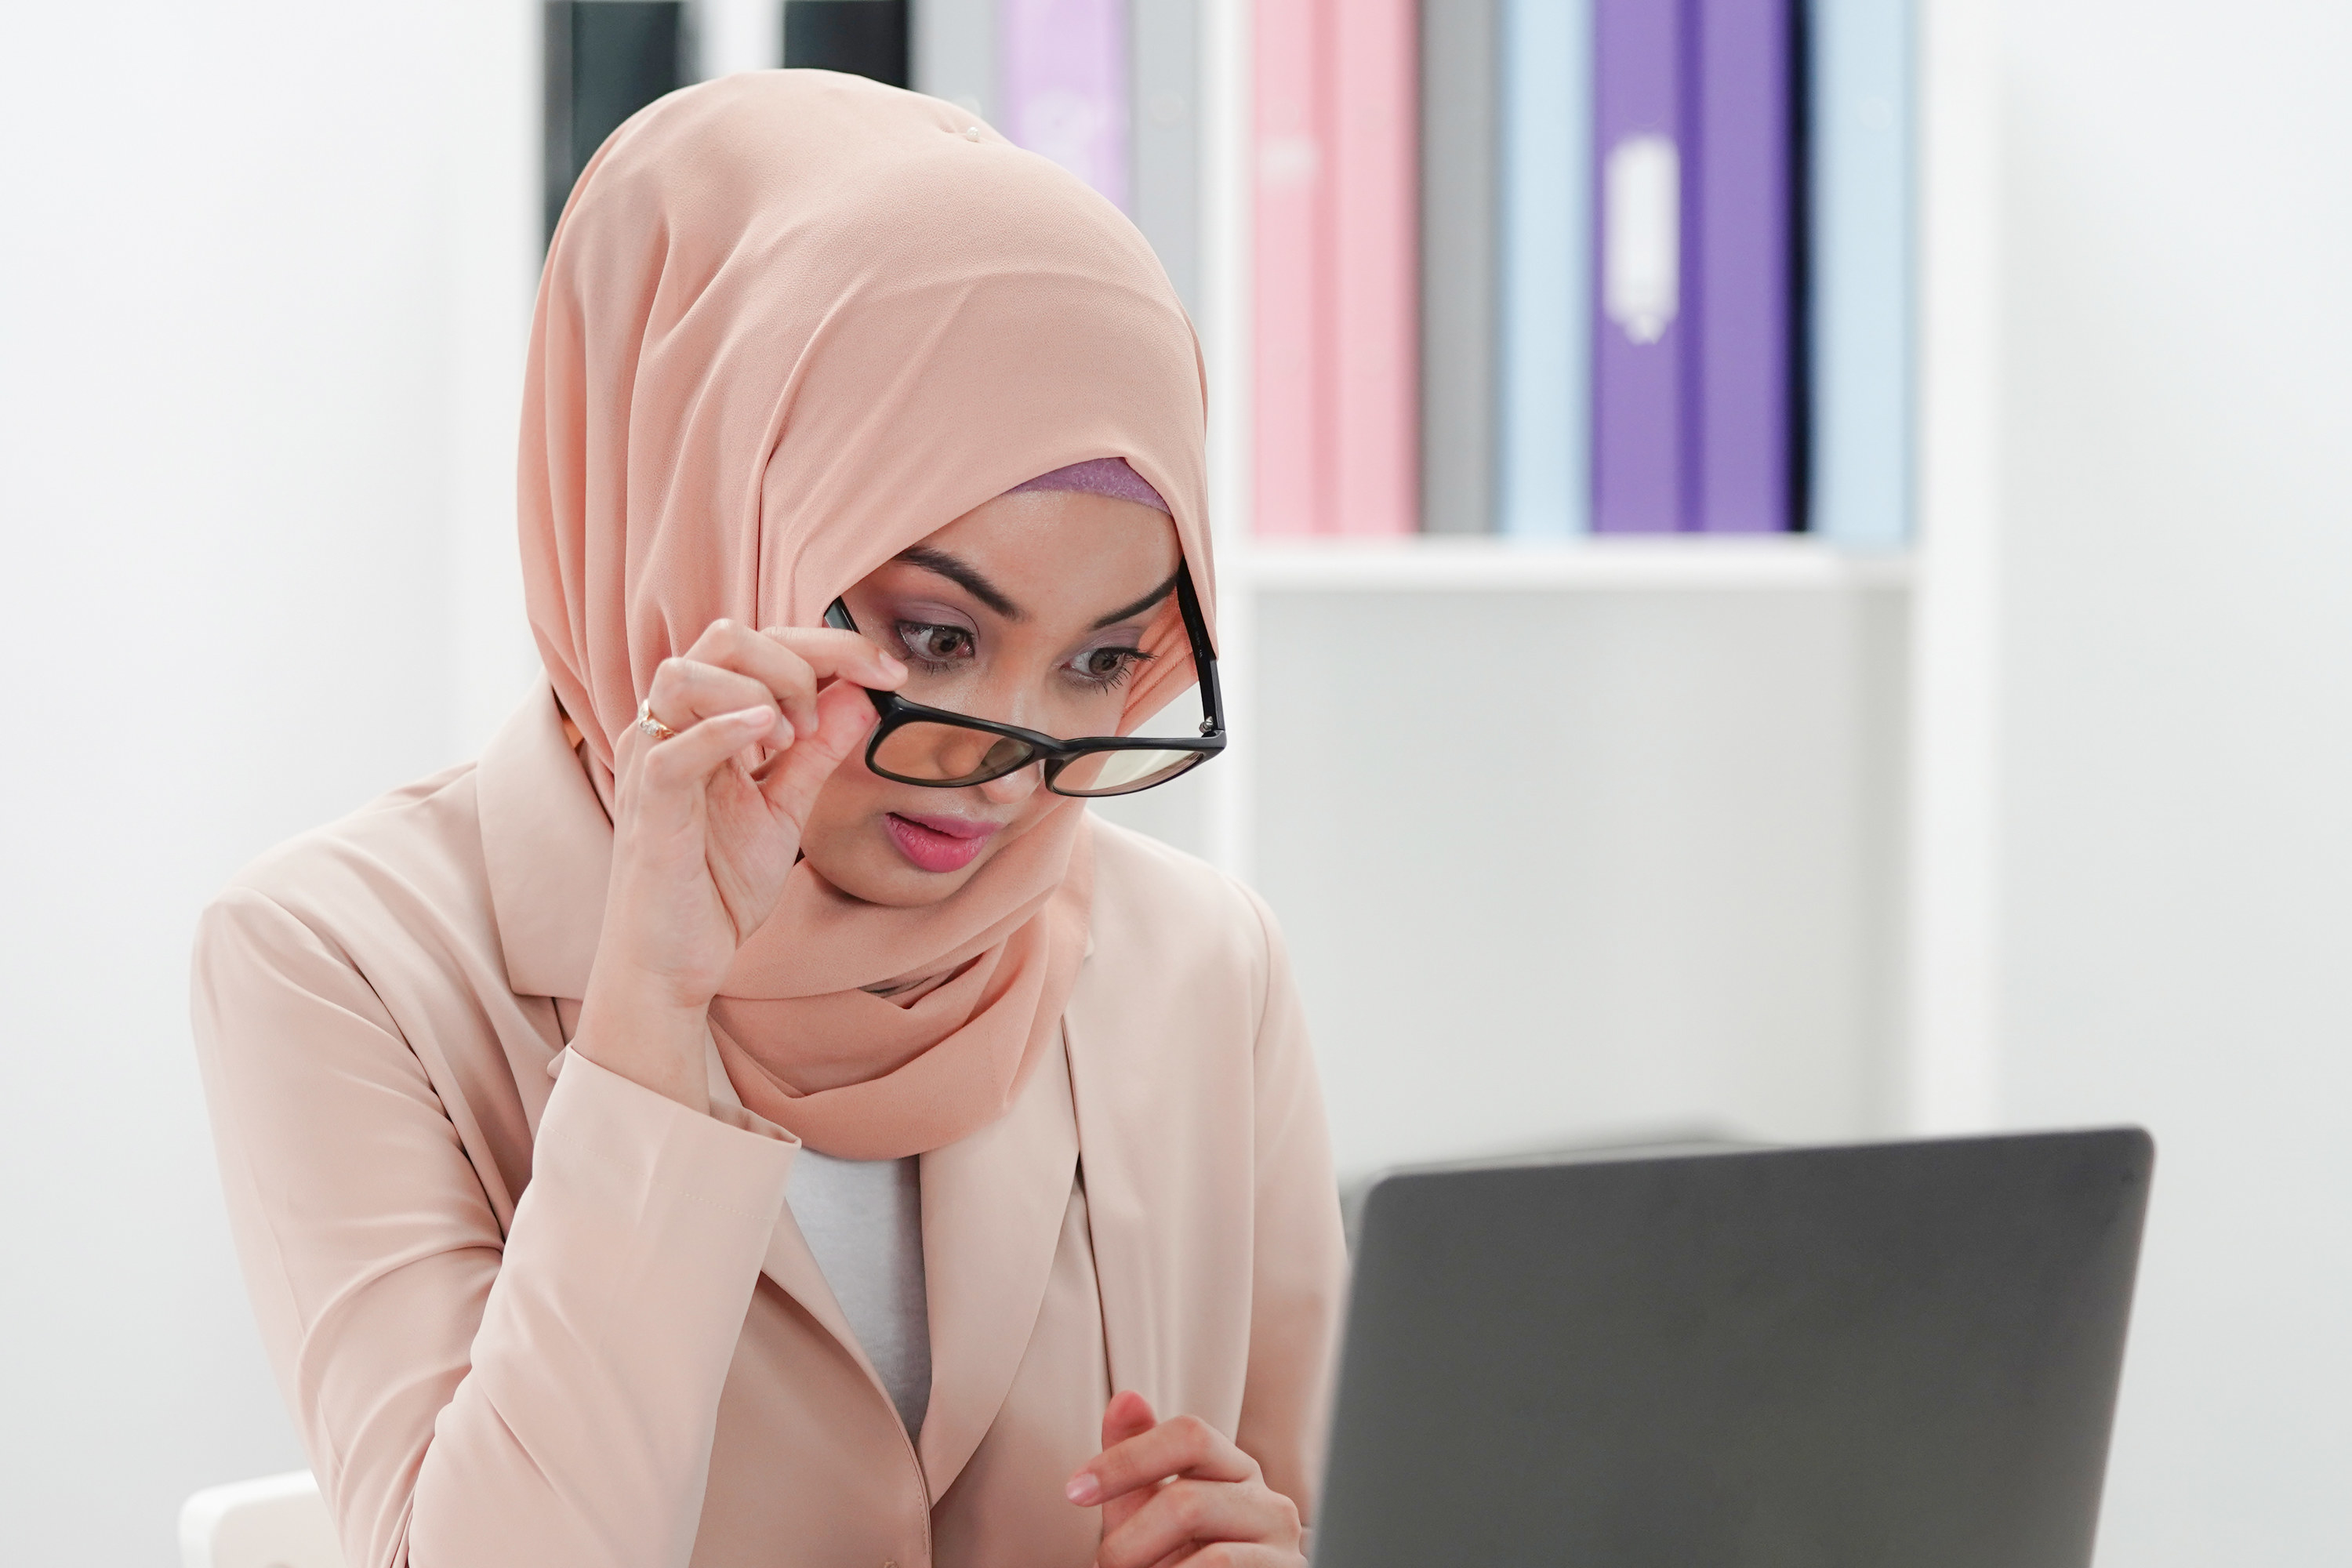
(1181, 1491)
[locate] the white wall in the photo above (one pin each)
(257, 404)
(1575, 867)
(2176, 810)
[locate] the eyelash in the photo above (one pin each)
(1131, 659)
(909, 631)
(911, 635)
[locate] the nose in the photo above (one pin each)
(1014, 787)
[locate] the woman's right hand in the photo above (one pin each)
(704, 833)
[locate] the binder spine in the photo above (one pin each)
(1459, 136)
(1287, 329)
(1639, 374)
(1062, 67)
(954, 54)
(1337, 432)
(1744, 248)
(1375, 127)
(1166, 192)
(1860, 261)
(1544, 340)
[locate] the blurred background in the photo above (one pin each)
(1998, 774)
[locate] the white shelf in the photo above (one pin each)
(1486, 566)
(1939, 964)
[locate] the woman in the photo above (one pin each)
(721, 1127)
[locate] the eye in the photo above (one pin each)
(1107, 667)
(935, 645)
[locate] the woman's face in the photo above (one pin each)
(1029, 610)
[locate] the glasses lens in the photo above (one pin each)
(925, 752)
(1122, 771)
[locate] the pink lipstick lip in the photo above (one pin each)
(951, 826)
(939, 843)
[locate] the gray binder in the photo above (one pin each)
(1459, 140)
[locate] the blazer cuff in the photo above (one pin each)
(630, 1151)
(727, 1110)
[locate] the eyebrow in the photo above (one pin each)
(973, 580)
(1141, 604)
(968, 577)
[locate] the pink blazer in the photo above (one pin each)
(528, 1313)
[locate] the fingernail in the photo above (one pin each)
(1082, 1489)
(893, 668)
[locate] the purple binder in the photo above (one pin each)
(1063, 64)
(1640, 382)
(1742, 285)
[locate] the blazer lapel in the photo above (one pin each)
(993, 1211)
(1117, 1125)
(547, 851)
(789, 1262)
(793, 1267)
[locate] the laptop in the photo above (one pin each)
(1884, 1354)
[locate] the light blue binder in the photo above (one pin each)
(1544, 361)
(1861, 305)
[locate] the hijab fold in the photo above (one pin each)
(792, 323)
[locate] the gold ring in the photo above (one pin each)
(651, 725)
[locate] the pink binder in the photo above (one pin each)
(1336, 280)
(1288, 217)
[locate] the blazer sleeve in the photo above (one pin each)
(1299, 1264)
(539, 1397)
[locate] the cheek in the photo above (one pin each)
(851, 799)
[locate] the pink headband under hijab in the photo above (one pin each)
(1098, 477)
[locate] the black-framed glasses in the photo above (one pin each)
(937, 749)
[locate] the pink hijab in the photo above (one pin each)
(792, 322)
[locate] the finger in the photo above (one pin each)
(793, 661)
(681, 766)
(839, 655)
(781, 673)
(1180, 1446)
(1129, 1414)
(793, 664)
(830, 656)
(844, 717)
(1193, 1512)
(685, 692)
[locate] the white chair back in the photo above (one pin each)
(277, 1522)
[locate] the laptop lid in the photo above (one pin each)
(1887, 1353)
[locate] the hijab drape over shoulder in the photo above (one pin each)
(792, 322)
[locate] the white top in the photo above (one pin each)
(864, 1221)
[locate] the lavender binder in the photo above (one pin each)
(1742, 284)
(1063, 72)
(1640, 392)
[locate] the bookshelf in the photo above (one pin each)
(1454, 563)
(1918, 964)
